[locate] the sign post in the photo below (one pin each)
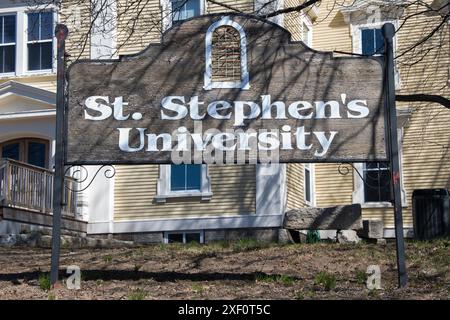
(388, 33)
(61, 32)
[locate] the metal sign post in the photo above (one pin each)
(61, 32)
(388, 33)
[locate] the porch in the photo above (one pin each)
(26, 196)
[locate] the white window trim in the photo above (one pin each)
(167, 233)
(358, 191)
(312, 186)
(163, 191)
(244, 84)
(22, 40)
(355, 31)
(9, 74)
(166, 12)
(52, 40)
(305, 19)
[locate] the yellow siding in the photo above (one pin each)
(138, 25)
(233, 190)
(79, 40)
(332, 188)
(426, 152)
(295, 186)
(330, 32)
(292, 20)
(245, 6)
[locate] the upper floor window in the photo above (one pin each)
(372, 42)
(40, 40)
(377, 182)
(186, 177)
(306, 29)
(7, 43)
(185, 9)
(226, 54)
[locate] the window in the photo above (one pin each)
(7, 43)
(306, 29)
(309, 184)
(31, 151)
(185, 177)
(372, 42)
(226, 54)
(184, 237)
(40, 40)
(184, 180)
(377, 182)
(185, 9)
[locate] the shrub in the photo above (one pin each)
(137, 295)
(44, 282)
(361, 277)
(328, 281)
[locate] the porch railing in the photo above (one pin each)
(29, 187)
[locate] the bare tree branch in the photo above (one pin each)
(423, 98)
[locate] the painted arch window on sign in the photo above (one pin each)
(372, 41)
(226, 54)
(7, 43)
(185, 9)
(377, 182)
(40, 40)
(186, 177)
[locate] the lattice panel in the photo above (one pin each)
(226, 54)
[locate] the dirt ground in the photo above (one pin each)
(239, 270)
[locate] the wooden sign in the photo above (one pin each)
(226, 89)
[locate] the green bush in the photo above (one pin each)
(361, 276)
(246, 244)
(328, 281)
(44, 282)
(137, 295)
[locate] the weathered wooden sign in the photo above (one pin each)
(226, 88)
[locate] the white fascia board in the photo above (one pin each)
(189, 223)
(28, 114)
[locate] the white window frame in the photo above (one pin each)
(22, 39)
(52, 40)
(8, 74)
(312, 186)
(166, 12)
(305, 20)
(356, 33)
(244, 83)
(201, 232)
(358, 190)
(164, 192)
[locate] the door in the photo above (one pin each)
(29, 150)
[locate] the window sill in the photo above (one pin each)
(13, 75)
(40, 72)
(205, 196)
(369, 205)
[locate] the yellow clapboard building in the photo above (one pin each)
(156, 203)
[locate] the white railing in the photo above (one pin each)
(29, 187)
